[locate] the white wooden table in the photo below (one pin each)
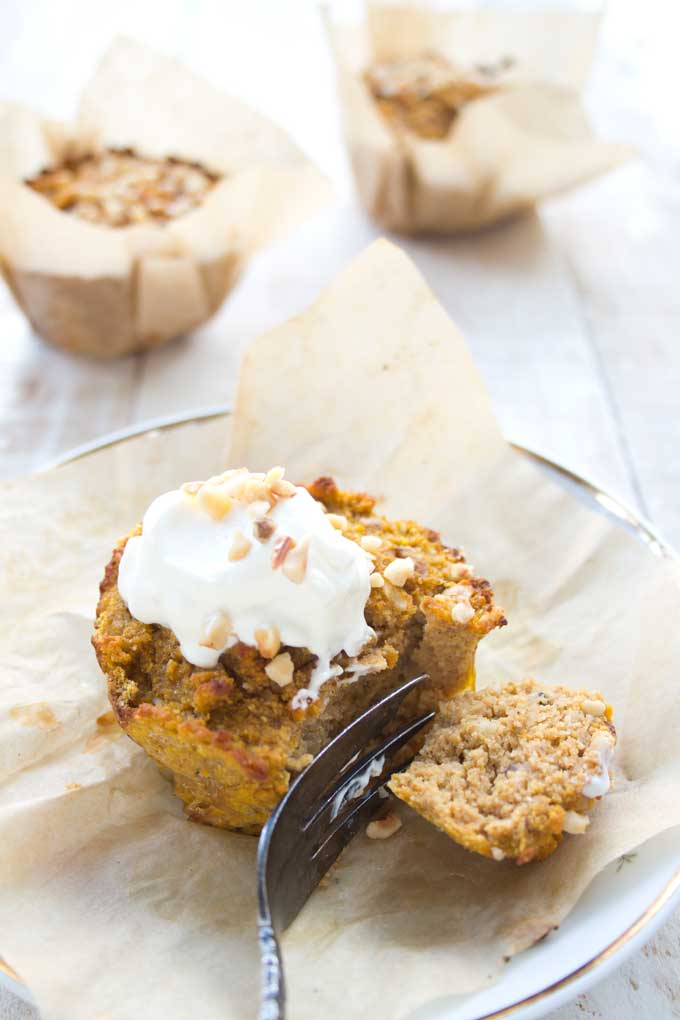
(573, 318)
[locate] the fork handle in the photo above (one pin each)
(272, 988)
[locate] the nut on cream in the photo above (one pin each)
(248, 557)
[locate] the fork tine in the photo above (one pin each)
(288, 850)
(333, 806)
(330, 761)
(327, 853)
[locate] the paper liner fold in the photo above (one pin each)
(108, 291)
(505, 152)
(111, 903)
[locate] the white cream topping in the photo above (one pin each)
(179, 573)
(356, 786)
(599, 782)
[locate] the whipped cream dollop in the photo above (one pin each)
(252, 558)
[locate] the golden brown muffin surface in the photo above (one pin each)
(502, 771)
(117, 187)
(425, 93)
(229, 735)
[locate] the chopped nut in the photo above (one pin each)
(268, 641)
(372, 662)
(263, 528)
(575, 823)
(191, 488)
(338, 521)
(371, 543)
(273, 476)
(377, 580)
(399, 599)
(240, 545)
(383, 828)
(116, 188)
(458, 570)
(462, 612)
(497, 853)
(295, 565)
(459, 591)
(255, 490)
(215, 501)
(595, 708)
(217, 631)
(235, 482)
(280, 669)
(398, 571)
(283, 489)
(259, 508)
(282, 546)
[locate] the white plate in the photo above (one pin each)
(621, 908)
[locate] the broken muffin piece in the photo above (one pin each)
(236, 697)
(506, 772)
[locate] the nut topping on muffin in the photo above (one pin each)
(286, 572)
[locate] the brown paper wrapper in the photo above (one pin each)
(505, 152)
(108, 291)
(112, 904)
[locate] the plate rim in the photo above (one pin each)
(646, 533)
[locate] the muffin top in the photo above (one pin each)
(118, 188)
(245, 565)
(425, 92)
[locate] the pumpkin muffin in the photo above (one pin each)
(507, 772)
(237, 706)
(118, 188)
(425, 93)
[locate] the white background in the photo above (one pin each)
(573, 317)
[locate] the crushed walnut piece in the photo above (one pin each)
(215, 501)
(268, 641)
(383, 828)
(263, 528)
(217, 631)
(240, 545)
(280, 669)
(339, 521)
(259, 492)
(118, 188)
(282, 547)
(371, 543)
(398, 571)
(462, 612)
(295, 563)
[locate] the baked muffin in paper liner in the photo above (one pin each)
(105, 291)
(523, 138)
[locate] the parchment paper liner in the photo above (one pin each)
(103, 291)
(112, 905)
(505, 152)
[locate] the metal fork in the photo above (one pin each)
(323, 810)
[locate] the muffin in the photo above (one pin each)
(507, 772)
(424, 94)
(118, 188)
(246, 621)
